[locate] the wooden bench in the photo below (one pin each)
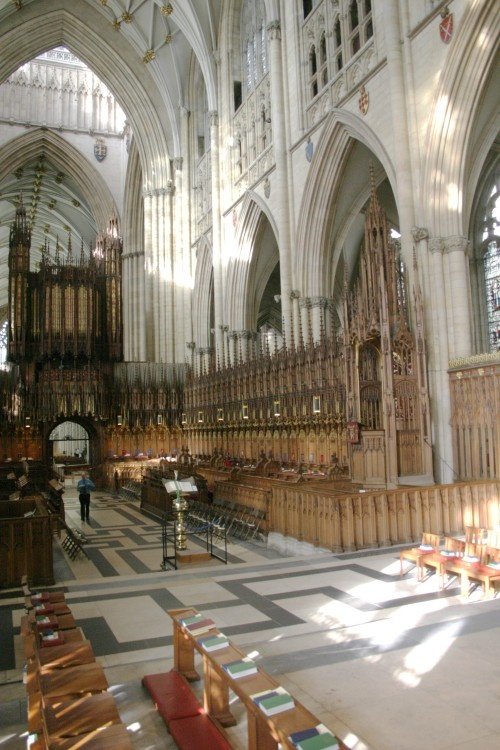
(89, 713)
(197, 733)
(171, 695)
(67, 702)
(186, 720)
(114, 737)
(263, 732)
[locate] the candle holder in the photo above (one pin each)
(180, 506)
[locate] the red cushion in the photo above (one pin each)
(197, 733)
(172, 695)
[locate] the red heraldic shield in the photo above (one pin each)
(446, 28)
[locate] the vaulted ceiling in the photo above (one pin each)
(143, 50)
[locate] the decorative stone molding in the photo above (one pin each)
(274, 30)
(294, 294)
(455, 244)
(436, 245)
(136, 254)
(156, 192)
(246, 335)
(419, 234)
(475, 359)
(318, 302)
(205, 350)
(213, 118)
(223, 328)
(190, 344)
(304, 302)
(177, 163)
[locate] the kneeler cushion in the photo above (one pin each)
(172, 695)
(197, 733)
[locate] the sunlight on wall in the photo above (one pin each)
(440, 112)
(483, 39)
(454, 197)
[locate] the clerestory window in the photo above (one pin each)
(253, 42)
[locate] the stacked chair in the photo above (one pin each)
(131, 490)
(68, 702)
(226, 518)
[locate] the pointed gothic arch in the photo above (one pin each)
(202, 299)
(456, 125)
(69, 160)
(321, 241)
(249, 270)
(46, 25)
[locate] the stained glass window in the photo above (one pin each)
(491, 236)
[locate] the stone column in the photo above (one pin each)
(318, 307)
(282, 212)
(440, 387)
(218, 260)
(133, 306)
(180, 273)
(159, 327)
(456, 265)
(186, 226)
(395, 39)
(149, 270)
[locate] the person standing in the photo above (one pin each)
(85, 487)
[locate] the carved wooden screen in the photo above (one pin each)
(406, 408)
(369, 388)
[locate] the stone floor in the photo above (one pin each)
(388, 663)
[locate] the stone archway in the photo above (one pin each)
(95, 450)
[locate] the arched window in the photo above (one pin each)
(355, 42)
(323, 66)
(491, 261)
(253, 42)
(485, 261)
(337, 45)
(307, 6)
(313, 71)
(360, 24)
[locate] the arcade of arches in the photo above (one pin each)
(258, 233)
(255, 242)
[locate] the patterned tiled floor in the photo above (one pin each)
(388, 663)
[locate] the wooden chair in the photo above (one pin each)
(476, 535)
(428, 545)
(493, 538)
(492, 555)
(475, 552)
(453, 549)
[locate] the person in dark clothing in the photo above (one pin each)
(85, 487)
